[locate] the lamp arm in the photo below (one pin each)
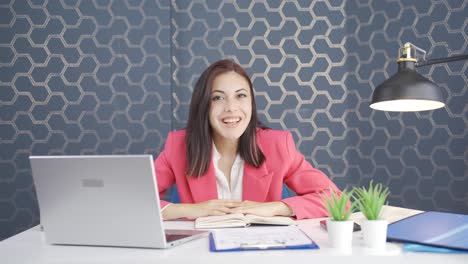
(442, 60)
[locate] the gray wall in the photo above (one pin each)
(109, 77)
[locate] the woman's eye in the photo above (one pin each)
(217, 98)
(241, 95)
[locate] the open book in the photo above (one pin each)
(240, 220)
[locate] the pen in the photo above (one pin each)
(263, 246)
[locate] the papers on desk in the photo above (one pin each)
(260, 238)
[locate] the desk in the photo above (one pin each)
(29, 247)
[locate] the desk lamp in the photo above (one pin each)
(407, 90)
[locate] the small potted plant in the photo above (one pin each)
(370, 202)
(339, 227)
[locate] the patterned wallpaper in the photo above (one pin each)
(114, 77)
(78, 77)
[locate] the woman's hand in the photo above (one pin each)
(212, 207)
(263, 209)
(192, 211)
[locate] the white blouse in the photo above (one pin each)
(233, 189)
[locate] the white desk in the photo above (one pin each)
(29, 247)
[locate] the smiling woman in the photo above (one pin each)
(227, 162)
(231, 107)
(222, 87)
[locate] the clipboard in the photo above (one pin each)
(262, 245)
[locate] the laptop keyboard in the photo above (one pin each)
(173, 237)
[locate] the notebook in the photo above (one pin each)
(438, 229)
(102, 201)
(240, 220)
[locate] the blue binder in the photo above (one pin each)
(430, 228)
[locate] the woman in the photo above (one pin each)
(226, 162)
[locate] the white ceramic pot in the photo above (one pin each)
(374, 233)
(340, 234)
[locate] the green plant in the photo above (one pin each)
(370, 201)
(336, 205)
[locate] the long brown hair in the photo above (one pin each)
(198, 138)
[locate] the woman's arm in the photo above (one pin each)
(192, 211)
(164, 175)
(310, 185)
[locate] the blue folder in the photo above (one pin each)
(213, 248)
(410, 247)
(439, 229)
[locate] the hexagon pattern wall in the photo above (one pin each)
(78, 77)
(103, 76)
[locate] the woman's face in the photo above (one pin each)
(231, 106)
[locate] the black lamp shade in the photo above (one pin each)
(407, 91)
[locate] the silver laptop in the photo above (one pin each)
(102, 201)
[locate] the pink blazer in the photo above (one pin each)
(283, 164)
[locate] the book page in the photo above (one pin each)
(263, 237)
(229, 220)
(269, 220)
(392, 214)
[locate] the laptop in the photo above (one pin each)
(102, 201)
